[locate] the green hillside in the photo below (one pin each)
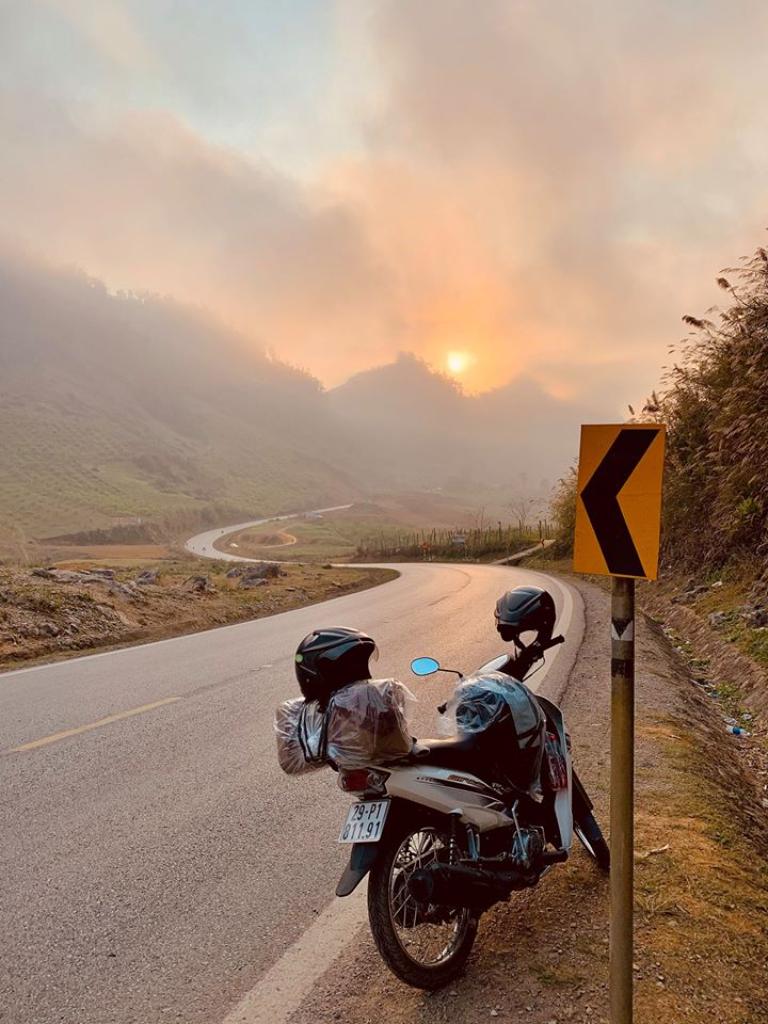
(115, 408)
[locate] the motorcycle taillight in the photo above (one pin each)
(362, 780)
(555, 764)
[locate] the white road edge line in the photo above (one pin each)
(288, 982)
(285, 986)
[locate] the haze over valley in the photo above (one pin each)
(115, 407)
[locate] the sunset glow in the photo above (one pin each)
(458, 362)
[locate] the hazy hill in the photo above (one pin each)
(408, 422)
(115, 406)
(420, 426)
(121, 406)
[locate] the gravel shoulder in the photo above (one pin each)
(701, 880)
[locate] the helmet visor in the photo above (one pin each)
(338, 652)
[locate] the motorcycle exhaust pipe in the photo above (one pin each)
(457, 885)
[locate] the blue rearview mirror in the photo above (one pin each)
(424, 666)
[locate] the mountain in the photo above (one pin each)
(420, 428)
(407, 422)
(118, 407)
(122, 406)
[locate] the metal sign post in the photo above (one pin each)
(618, 520)
(622, 796)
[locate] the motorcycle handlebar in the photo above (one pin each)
(552, 643)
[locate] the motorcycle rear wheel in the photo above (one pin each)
(426, 947)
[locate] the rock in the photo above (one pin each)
(717, 619)
(249, 582)
(147, 578)
(59, 575)
(264, 571)
(755, 618)
(687, 596)
(199, 585)
(128, 589)
(107, 574)
(234, 573)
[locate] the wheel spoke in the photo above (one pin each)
(423, 936)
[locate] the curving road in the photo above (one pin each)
(203, 544)
(155, 865)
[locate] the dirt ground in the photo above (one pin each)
(83, 605)
(701, 932)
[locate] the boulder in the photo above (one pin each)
(717, 619)
(147, 578)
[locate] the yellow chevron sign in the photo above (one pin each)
(618, 508)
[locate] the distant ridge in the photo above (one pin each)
(132, 409)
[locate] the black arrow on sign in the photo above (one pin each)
(600, 497)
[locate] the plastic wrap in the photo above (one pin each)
(366, 724)
(300, 728)
(506, 711)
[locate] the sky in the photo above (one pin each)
(507, 189)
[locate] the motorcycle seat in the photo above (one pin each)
(459, 753)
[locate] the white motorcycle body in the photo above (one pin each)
(458, 794)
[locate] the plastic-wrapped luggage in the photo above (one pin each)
(511, 722)
(365, 723)
(300, 731)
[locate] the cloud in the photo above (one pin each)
(109, 28)
(599, 163)
(547, 186)
(147, 204)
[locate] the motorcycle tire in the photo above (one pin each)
(404, 930)
(592, 839)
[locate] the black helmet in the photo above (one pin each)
(524, 609)
(328, 659)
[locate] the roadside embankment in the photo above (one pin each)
(73, 608)
(701, 879)
(727, 626)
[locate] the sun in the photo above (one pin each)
(458, 362)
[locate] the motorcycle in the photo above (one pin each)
(443, 841)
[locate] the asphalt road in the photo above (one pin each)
(203, 544)
(153, 867)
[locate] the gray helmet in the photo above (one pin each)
(523, 610)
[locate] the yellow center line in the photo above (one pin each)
(56, 736)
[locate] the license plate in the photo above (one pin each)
(365, 822)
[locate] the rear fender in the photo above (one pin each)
(363, 856)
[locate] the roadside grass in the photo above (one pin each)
(729, 598)
(701, 886)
